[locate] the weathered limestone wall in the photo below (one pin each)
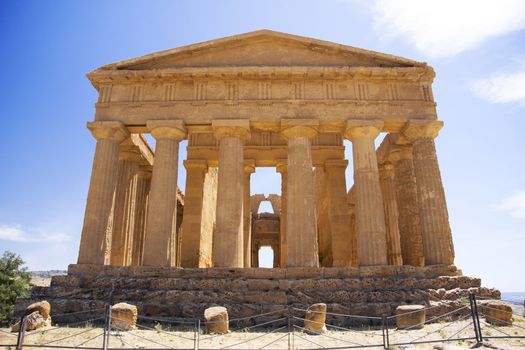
(209, 207)
(324, 230)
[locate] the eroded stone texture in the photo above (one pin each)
(496, 312)
(94, 241)
(388, 189)
(410, 316)
(216, 319)
(124, 316)
(301, 248)
(161, 232)
(435, 228)
(315, 318)
(408, 206)
(228, 239)
(370, 217)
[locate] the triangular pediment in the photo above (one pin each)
(262, 48)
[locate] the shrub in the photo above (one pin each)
(14, 283)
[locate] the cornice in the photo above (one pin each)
(99, 77)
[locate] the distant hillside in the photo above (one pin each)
(47, 274)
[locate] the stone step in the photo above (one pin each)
(216, 284)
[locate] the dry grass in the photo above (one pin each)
(157, 337)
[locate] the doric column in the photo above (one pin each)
(338, 211)
(370, 216)
(281, 168)
(140, 200)
(435, 227)
(94, 241)
(191, 223)
(407, 204)
(388, 189)
(228, 240)
(301, 241)
(162, 210)
(249, 169)
(121, 238)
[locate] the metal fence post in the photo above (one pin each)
(475, 318)
(198, 333)
(107, 328)
(288, 329)
(384, 326)
(21, 333)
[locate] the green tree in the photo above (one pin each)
(14, 283)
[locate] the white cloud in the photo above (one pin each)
(443, 28)
(502, 87)
(514, 205)
(16, 233)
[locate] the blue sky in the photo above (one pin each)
(476, 47)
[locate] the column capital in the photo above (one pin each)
(130, 153)
(167, 129)
(400, 152)
(249, 166)
(293, 128)
(335, 163)
(112, 130)
(196, 164)
(239, 128)
(145, 171)
(281, 166)
(363, 128)
(416, 129)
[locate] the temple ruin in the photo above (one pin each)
(266, 99)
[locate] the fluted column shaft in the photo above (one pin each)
(121, 238)
(94, 241)
(407, 204)
(370, 217)
(338, 212)
(388, 189)
(249, 169)
(192, 221)
(301, 243)
(161, 233)
(435, 227)
(282, 169)
(229, 235)
(140, 200)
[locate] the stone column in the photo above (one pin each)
(407, 203)
(338, 211)
(370, 216)
(281, 168)
(275, 249)
(191, 224)
(301, 241)
(249, 169)
(435, 227)
(255, 254)
(228, 240)
(121, 238)
(140, 199)
(162, 209)
(94, 241)
(388, 189)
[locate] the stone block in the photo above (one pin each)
(262, 284)
(33, 321)
(124, 316)
(315, 318)
(42, 307)
(410, 316)
(496, 312)
(216, 318)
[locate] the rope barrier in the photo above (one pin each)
(249, 340)
(90, 339)
(141, 337)
(274, 341)
(328, 336)
(344, 315)
(76, 312)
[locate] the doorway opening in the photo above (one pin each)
(266, 257)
